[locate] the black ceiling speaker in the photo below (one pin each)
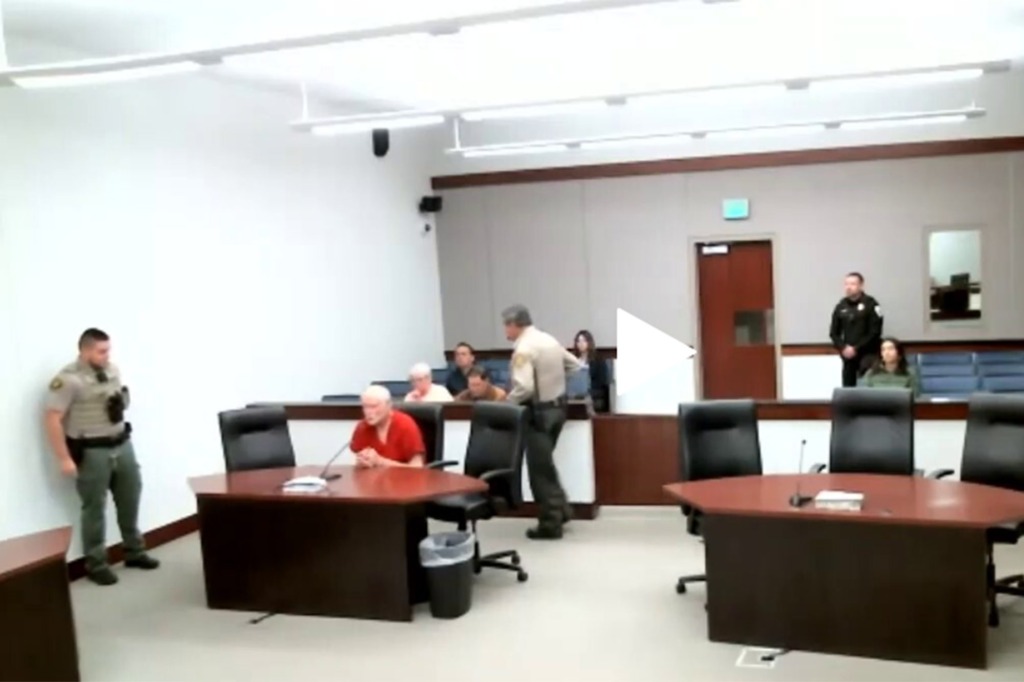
(430, 204)
(381, 142)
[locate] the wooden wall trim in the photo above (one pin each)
(154, 538)
(793, 349)
(506, 353)
(790, 350)
(801, 157)
(353, 412)
(810, 410)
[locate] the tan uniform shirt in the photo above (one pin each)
(81, 397)
(539, 367)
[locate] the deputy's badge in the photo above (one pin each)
(56, 384)
(860, 307)
(518, 360)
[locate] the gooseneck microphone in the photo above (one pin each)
(333, 477)
(797, 500)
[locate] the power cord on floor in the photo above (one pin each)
(260, 619)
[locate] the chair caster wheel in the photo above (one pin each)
(522, 576)
(680, 587)
(516, 560)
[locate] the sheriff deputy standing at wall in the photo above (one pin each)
(856, 329)
(539, 367)
(85, 424)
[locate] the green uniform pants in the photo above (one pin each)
(114, 469)
(545, 426)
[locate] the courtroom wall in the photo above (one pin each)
(231, 260)
(574, 251)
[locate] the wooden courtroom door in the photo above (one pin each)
(737, 319)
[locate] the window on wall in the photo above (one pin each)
(954, 270)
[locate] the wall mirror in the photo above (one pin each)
(954, 271)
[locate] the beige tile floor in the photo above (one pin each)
(600, 605)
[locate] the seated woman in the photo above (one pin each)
(890, 370)
(586, 353)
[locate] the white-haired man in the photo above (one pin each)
(386, 437)
(424, 390)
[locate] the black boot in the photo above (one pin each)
(145, 562)
(103, 576)
(545, 533)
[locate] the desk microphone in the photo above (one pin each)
(797, 500)
(333, 477)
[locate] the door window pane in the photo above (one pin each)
(754, 327)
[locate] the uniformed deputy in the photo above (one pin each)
(856, 329)
(539, 367)
(85, 424)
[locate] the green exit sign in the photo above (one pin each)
(736, 209)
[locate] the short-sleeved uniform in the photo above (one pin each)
(404, 440)
(80, 393)
(539, 368)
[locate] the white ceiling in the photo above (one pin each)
(675, 44)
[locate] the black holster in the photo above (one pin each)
(115, 408)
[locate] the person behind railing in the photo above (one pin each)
(890, 369)
(424, 389)
(480, 386)
(586, 352)
(458, 378)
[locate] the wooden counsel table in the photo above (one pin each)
(901, 579)
(350, 551)
(37, 627)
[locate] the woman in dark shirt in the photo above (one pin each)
(586, 352)
(890, 370)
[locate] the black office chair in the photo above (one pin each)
(497, 438)
(994, 455)
(256, 438)
(430, 418)
(717, 439)
(872, 432)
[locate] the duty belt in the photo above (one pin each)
(561, 401)
(105, 442)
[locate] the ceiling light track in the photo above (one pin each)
(127, 68)
(592, 104)
(894, 120)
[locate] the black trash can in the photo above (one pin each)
(448, 561)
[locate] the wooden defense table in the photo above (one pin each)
(350, 551)
(901, 579)
(37, 626)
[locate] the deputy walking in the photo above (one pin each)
(86, 428)
(539, 367)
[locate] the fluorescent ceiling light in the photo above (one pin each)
(514, 151)
(896, 81)
(535, 110)
(902, 122)
(59, 80)
(658, 141)
(685, 96)
(779, 131)
(366, 125)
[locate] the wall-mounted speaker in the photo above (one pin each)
(381, 142)
(430, 204)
